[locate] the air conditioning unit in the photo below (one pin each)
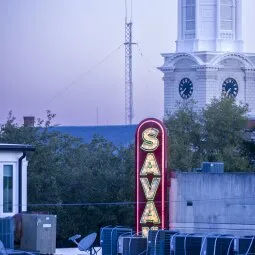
(120, 245)
(188, 244)
(134, 245)
(159, 241)
(212, 167)
(109, 239)
(246, 245)
(220, 245)
(7, 232)
(39, 233)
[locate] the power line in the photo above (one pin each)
(215, 228)
(75, 81)
(218, 223)
(134, 202)
(146, 61)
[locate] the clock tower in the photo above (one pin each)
(209, 60)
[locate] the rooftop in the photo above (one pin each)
(121, 135)
(16, 147)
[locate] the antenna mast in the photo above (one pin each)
(128, 65)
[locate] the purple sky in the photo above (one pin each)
(46, 45)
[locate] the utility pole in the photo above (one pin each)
(128, 66)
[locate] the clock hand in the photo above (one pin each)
(183, 91)
(227, 93)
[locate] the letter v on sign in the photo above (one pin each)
(150, 190)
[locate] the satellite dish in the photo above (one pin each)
(87, 241)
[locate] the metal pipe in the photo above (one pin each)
(20, 180)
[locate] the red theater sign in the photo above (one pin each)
(151, 165)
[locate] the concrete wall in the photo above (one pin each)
(210, 202)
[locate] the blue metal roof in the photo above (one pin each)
(122, 135)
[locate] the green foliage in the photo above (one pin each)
(64, 171)
(184, 135)
(214, 134)
(224, 125)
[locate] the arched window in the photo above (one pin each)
(189, 14)
(226, 15)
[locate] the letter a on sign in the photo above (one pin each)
(150, 214)
(150, 165)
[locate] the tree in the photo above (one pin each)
(214, 134)
(224, 125)
(74, 180)
(184, 134)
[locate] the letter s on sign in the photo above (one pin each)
(150, 140)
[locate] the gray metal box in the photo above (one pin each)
(39, 233)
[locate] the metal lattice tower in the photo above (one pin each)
(128, 70)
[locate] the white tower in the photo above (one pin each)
(209, 60)
(209, 25)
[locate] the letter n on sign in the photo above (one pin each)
(151, 187)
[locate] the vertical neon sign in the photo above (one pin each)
(151, 165)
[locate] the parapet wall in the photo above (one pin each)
(210, 202)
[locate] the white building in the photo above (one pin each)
(209, 60)
(13, 177)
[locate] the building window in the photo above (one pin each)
(190, 15)
(189, 18)
(8, 189)
(226, 15)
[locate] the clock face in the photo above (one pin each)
(185, 88)
(230, 88)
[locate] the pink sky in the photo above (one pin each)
(46, 45)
